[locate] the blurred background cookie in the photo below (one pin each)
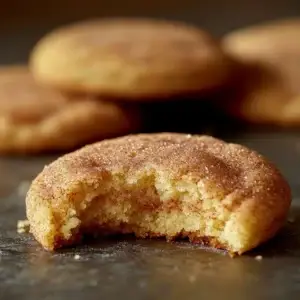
(130, 58)
(269, 90)
(36, 119)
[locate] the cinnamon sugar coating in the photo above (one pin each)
(168, 184)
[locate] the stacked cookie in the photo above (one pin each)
(268, 91)
(36, 118)
(85, 81)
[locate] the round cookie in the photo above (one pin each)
(130, 58)
(270, 91)
(35, 119)
(259, 96)
(160, 185)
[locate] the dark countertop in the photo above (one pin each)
(143, 269)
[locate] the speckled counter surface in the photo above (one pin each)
(141, 269)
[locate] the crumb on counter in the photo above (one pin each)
(76, 256)
(258, 257)
(291, 220)
(23, 226)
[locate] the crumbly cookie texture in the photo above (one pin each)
(133, 59)
(23, 226)
(35, 119)
(160, 185)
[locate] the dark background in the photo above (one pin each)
(22, 23)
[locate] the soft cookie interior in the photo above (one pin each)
(150, 204)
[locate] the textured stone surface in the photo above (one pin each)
(142, 269)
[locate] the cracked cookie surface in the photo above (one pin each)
(160, 185)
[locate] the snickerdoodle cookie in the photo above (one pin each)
(35, 119)
(160, 185)
(270, 94)
(130, 58)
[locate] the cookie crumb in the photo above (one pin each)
(258, 257)
(23, 226)
(76, 256)
(291, 220)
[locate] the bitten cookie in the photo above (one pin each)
(160, 185)
(35, 119)
(270, 94)
(130, 58)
